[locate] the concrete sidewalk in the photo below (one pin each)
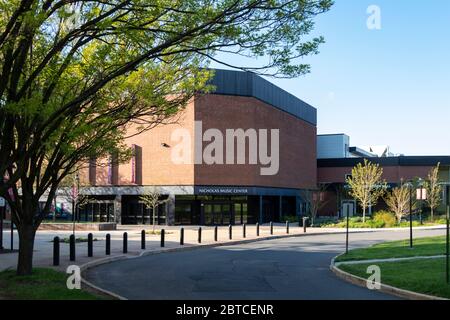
(43, 254)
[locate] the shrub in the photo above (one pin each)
(385, 219)
(291, 219)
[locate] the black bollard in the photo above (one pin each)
(200, 235)
(230, 232)
(56, 251)
(72, 247)
(12, 235)
(163, 238)
(215, 233)
(125, 242)
(287, 227)
(257, 229)
(143, 239)
(271, 227)
(90, 245)
(304, 224)
(182, 237)
(244, 230)
(108, 244)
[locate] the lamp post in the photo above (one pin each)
(447, 250)
(346, 233)
(448, 233)
(75, 192)
(422, 196)
(2, 210)
(410, 186)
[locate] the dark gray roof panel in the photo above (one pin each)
(239, 83)
(389, 161)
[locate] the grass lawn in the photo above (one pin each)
(398, 249)
(44, 284)
(423, 276)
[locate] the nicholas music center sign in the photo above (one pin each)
(222, 190)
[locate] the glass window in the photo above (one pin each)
(208, 214)
(217, 214)
(183, 213)
(245, 217)
(237, 213)
(226, 214)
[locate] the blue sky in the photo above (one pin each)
(388, 86)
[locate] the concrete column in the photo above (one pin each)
(170, 210)
(117, 209)
(280, 207)
(261, 218)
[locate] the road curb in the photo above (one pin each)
(98, 262)
(95, 263)
(361, 282)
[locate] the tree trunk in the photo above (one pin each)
(26, 246)
(154, 218)
(364, 215)
(432, 214)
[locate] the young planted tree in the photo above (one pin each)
(152, 199)
(69, 190)
(315, 200)
(366, 184)
(433, 189)
(76, 73)
(398, 201)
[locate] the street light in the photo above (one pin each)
(75, 192)
(447, 246)
(410, 186)
(421, 195)
(447, 197)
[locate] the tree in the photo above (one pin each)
(366, 185)
(433, 189)
(69, 189)
(315, 200)
(152, 199)
(398, 201)
(76, 73)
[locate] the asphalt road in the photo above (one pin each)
(288, 269)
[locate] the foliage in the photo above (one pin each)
(434, 189)
(315, 200)
(291, 219)
(381, 219)
(151, 197)
(388, 219)
(366, 185)
(76, 74)
(398, 201)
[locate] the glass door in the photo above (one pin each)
(208, 214)
(217, 214)
(226, 214)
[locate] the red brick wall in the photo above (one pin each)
(297, 143)
(297, 147)
(392, 174)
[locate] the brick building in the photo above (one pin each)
(201, 192)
